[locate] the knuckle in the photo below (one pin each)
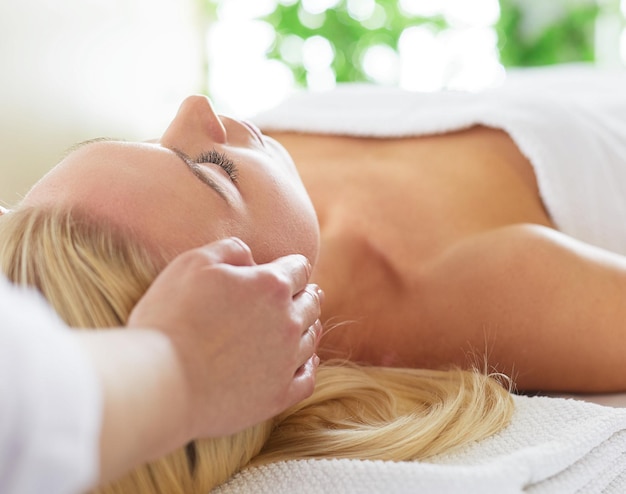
(277, 284)
(239, 244)
(310, 341)
(308, 387)
(293, 329)
(313, 334)
(317, 329)
(306, 264)
(312, 291)
(193, 259)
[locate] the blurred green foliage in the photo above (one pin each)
(349, 37)
(567, 37)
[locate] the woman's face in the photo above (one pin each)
(206, 178)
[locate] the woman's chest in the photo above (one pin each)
(407, 200)
(389, 208)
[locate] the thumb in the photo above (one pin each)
(230, 250)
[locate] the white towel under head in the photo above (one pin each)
(553, 445)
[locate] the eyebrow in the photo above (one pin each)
(82, 144)
(189, 163)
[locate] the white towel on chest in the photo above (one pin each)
(569, 122)
(553, 445)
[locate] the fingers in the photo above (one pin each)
(308, 344)
(303, 384)
(296, 268)
(308, 303)
(228, 251)
(310, 339)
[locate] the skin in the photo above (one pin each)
(434, 250)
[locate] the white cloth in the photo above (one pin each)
(570, 122)
(50, 401)
(553, 445)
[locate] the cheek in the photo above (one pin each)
(289, 227)
(179, 229)
(306, 231)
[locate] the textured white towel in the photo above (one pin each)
(569, 121)
(553, 445)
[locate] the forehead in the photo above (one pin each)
(143, 187)
(107, 171)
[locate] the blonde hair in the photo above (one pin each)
(93, 273)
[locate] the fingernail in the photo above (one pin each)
(238, 241)
(318, 328)
(241, 244)
(321, 295)
(307, 265)
(316, 360)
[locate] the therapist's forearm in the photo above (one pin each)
(146, 410)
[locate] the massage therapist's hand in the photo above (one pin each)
(245, 334)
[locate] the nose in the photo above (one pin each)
(195, 126)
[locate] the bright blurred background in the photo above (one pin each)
(77, 69)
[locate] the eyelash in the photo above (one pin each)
(221, 160)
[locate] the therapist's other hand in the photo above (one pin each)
(245, 334)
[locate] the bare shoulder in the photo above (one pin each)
(549, 309)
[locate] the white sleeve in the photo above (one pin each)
(50, 401)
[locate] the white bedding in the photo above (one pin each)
(552, 445)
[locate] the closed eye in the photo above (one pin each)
(200, 174)
(221, 160)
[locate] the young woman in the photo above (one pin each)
(432, 248)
